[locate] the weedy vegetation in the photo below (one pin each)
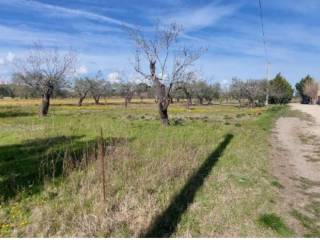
(107, 170)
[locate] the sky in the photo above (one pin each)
(229, 29)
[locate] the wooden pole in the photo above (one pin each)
(102, 158)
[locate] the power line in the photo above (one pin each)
(264, 39)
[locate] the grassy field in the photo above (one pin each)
(207, 174)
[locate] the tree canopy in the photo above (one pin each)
(280, 90)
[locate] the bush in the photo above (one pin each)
(300, 86)
(280, 90)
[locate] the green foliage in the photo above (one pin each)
(17, 90)
(280, 90)
(300, 88)
(5, 91)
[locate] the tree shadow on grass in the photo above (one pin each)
(165, 224)
(25, 166)
(10, 114)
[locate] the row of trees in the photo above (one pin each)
(190, 87)
(164, 64)
(98, 88)
(261, 92)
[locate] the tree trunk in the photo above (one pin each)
(45, 104)
(96, 100)
(80, 101)
(189, 102)
(126, 100)
(267, 99)
(163, 111)
(163, 95)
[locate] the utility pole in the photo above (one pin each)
(268, 67)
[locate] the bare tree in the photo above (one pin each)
(82, 88)
(237, 90)
(124, 87)
(255, 91)
(45, 70)
(156, 53)
(127, 90)
(311, 89)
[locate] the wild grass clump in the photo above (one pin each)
(274, 222)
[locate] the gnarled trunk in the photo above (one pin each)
(163, 111)
(162, 95)
(80, 101)
(45, 104)
(96, 100)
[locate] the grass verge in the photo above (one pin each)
(148, 168)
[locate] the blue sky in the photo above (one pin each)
(229, 28)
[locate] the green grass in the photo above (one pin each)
(308, 222)
(275, 223)
(277, 184)
(224, 186)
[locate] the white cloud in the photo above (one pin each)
(82, 70)
(114, 77)
(195, 19)
(10, 57)
(67, 12)
(138, 79)
(299, 6)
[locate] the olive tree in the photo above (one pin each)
(186, 84)
(45, 70)
(141, 90)
(124, 87)
(165, 60)
(200, 89)
(212, 92)
(237, 90)
(126, 90)
(82, 88)
(255, 91)
(98, 87)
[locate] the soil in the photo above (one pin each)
(295, 163)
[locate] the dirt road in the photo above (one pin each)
(296, 166)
